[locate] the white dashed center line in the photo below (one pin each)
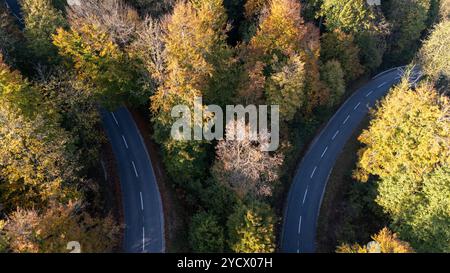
(142, 201)
(114, 117)
(356, 107)
(143, 238)
(368, 94)
(346, 119)
(304, 196)
(125, 142)
(313, 172)
(335, 134)
(381, 85)
(134, 167)
(299, 225)
(324, 151)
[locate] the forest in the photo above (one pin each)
(66, 61)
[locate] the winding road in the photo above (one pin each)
(143, 211)
(310, 181)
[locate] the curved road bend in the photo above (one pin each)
(143, 211)
(144, 221)
(309, 184)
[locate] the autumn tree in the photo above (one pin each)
(386, 242)
(434, 56)
(340, 46)
(41, 21)
(113, 17)
(51, 230)
(251, 229)
(148, 53)
(17, 91)
(282, 47)
(4, 243)
(285, 87)
(244, 167)
(444, 10)
(198, 65)
(205, 233)
(405, 146)
(99, 63)
(36, 164)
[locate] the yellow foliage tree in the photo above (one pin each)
(385, 242)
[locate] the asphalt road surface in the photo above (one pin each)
(309, 184)
(143, 213)
(14, 7)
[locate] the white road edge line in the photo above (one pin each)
(304, 196)
(143, 239)
(134, 167)
(356, 107)
(142, 201)
(368, 94)
(324, 151)
(335, 134)
(299, 225)
(346, 119)
(114, 117)
(125, 142)
(381, 85)
(313, 172)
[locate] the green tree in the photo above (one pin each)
(340, 46)
(10, 36)
(41, 21)
(251, 229)
(77, 113)
(351, 16)
(408, 18)
(427, 226)
(406, 142)
(333, 76)
(205, 233)
(285, 87)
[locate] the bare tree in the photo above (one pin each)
(149, 48)
(242, 165)
(113, 16)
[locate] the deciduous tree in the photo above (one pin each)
(434, 55)
(340, 46)
(241, 165)
(205, 233)
(407, 143)
(386, 241)
(333, 76)
(41, 21)
(408, 18)
(51, 231)
(251, 229)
